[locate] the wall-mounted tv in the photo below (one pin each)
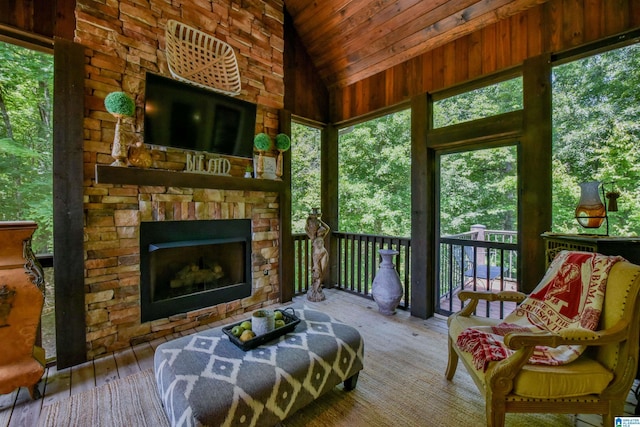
(180, 115)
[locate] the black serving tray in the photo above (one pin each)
(290, 323)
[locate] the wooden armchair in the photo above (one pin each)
(598, 382)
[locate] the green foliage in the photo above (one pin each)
(11, 148)
(262, 142)
(305, 172)
(478, 187)
(119, 103)
(26, 151)
(487, 101)
(374, 182)
(283, 142)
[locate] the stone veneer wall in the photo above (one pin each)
(123, 40)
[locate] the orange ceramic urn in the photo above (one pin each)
(21, 300)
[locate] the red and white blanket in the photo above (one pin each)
(570, 295)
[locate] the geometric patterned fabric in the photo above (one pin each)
(205, 379)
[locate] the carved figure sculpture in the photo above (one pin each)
(317, 230)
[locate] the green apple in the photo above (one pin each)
(246, 325)
(279, 323)
(278, 315)
(237, 331)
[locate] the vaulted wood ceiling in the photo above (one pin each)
(349, 40)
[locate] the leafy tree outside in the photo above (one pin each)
(26, 157)
(479, 187)
(480, 103)
(305, 174)
(26, 151)
(374, 178)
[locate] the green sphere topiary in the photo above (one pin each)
(262, 141)
(119, 103)
(283, 142)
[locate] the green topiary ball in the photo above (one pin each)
(283, 142)
(262, 141)
(119, 103)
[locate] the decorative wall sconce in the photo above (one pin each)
(591, 211)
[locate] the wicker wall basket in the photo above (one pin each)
(199, 58)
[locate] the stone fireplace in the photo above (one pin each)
(121, 209)
(189, 265)
(123, 41)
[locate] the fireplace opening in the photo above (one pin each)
(188, 265)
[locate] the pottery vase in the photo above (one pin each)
(386, 288)
(262, 322)
(21, 276)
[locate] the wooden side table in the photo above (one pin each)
(627, 247)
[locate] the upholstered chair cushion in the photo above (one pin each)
(583, 376)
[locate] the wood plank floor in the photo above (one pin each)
(17, 409)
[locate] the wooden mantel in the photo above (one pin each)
(106, 174)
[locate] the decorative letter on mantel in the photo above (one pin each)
(199, 163)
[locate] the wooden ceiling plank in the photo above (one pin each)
(349, 73)
(519, 38)
(594, 17)
(360, 20)
(388, 28)
(536, 29)
(503, 52)
(447, 28)
(489, 51)
(313, 16)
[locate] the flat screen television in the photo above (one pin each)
(180, 115)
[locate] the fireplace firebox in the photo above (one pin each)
(188, 265)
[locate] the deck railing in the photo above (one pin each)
(358, 262)
(477, 260)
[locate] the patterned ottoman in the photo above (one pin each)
(204, 379)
